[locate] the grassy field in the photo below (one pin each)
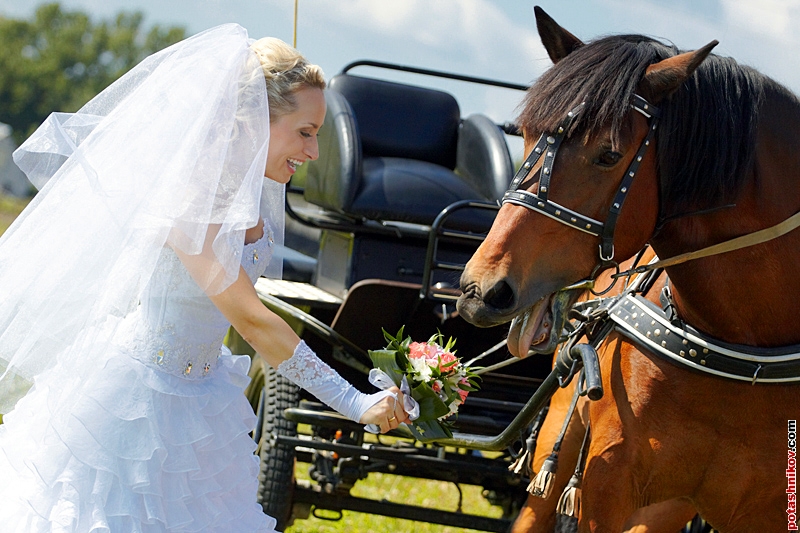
(10, 207)
(397, 489)
(434, 495)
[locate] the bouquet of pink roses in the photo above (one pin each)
(431, 375)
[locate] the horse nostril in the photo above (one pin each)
(500, 296)
(470, 290)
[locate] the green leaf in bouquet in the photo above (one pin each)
(398, 344)
(451, 364)
(393, 342)
(386, 360)
(453, 396)
(438, 338)
(431, 407)
(430, 430)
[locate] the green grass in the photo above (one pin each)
(420, 492)
(434, 495)
(10, 208)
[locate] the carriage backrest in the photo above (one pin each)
(401, 152)
(398, 120)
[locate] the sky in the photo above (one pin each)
(487, 38)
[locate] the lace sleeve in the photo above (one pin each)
(308, 371)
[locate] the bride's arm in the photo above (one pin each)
(269, 335)
(275, 341)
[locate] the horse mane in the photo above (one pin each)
(706, 135)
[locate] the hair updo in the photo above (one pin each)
(286, 71)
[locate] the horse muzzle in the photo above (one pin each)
(496, 306)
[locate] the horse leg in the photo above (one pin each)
(539, 514)
(663, 517)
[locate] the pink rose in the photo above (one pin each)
(461, 392)
(416, 350)
(445, 359)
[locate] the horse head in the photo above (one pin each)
(587, 123)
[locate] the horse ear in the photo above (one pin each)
(556, 40)
(663, 78)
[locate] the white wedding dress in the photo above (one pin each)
(154, 441)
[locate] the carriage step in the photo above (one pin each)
(297, 293)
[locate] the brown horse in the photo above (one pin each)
(723, 163)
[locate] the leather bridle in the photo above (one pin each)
(548, 144)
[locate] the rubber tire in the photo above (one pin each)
(276, 469)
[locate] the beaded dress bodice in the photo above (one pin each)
(176, 327)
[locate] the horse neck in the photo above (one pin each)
(748, 296)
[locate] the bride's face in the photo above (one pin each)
(293, 137)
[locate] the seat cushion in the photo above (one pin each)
(407, 190)
(483, 157)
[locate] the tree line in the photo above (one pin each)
(60, 59)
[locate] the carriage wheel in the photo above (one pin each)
(276, 471)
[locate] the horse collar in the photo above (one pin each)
(548, 144)
(660, 331)
(652, 328)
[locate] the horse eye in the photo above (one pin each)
(608, 158)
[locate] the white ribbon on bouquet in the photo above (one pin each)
(381, 379)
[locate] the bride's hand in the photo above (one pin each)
(388, 413)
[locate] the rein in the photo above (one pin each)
(751, 239)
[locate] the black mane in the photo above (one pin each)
(706, 134)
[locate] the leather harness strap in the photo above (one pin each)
(548, 145)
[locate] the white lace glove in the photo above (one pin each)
(308, 371)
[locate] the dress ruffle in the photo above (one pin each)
(131, 449)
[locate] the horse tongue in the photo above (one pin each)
(530, 328)
(518, 337)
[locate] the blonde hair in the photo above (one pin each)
(286, 72)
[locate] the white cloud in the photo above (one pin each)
(449, 29)
(772, 19)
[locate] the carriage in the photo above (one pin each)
(377, 232)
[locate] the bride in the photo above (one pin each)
(121, 278)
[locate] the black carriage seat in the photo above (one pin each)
(390, 151)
